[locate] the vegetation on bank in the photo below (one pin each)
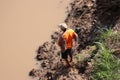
(106, 65)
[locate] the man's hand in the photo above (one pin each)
(76, 44)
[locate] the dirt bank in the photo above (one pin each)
(86, 17)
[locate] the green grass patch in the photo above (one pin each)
(107, 66)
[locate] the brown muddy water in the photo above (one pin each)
(24, 25)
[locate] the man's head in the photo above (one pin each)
(63, 26)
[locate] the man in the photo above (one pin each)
(65, 41)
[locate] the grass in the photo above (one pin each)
(80, 57)
(107, 66)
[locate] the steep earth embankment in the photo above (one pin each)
(86, 17)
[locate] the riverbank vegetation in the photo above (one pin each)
(106, 65)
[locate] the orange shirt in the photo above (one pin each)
(68, 36)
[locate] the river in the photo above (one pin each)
(24, 26)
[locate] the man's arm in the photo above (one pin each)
(76, 39)
(61, 42)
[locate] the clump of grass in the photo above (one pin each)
(80, 57)
(107, 66)
(109, 38)
(105, 34)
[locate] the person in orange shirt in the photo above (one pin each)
(65, 41)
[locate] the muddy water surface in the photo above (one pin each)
(24, 25)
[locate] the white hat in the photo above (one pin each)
(63, 25)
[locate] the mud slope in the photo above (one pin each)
(86, 17)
